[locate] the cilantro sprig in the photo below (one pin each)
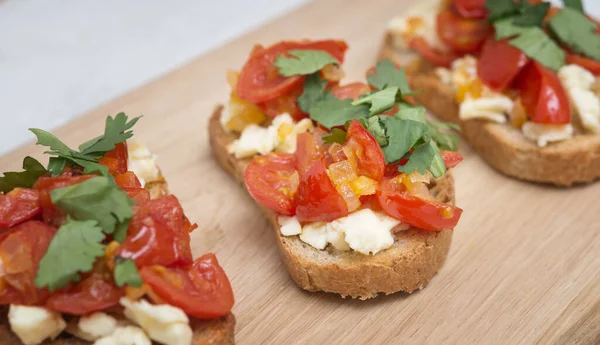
(126, 273)
(305, 62)
(575, 30)
(22, 179)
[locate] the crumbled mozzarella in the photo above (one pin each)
(542, 133)
(315, 234)
(163, 323)
(289, 226)
(33, 325)
(492, 108)
(578, 81)
(128, 335)
(93, 326)
(367, 231)
(142, 162)
(418, 21)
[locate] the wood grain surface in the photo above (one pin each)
(524, 267)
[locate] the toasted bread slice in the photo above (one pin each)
(564, 163)
(218, 331)
(407, 266)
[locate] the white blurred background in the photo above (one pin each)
(62, 58)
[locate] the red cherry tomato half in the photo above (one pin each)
(350, 91)
(451, 158)
(201, 289)
(370, 161)
(158, 234)
(21, 249)
(471, 9)
(542, 94)
(287, 103)
(259, 79)
(434, 56)
(463, 35)
(18, 205)
(499, 64)
(420, 213)
(589, 64)
(271, 182)
(308, 150)
(94, 293)
(318, 199)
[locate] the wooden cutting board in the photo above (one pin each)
(524, 266)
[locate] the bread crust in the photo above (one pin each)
(407, 266)
(219, 331)
(564, 163)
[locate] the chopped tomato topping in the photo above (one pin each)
(284, 104)
(132, 186)
(471, 9)
(201, 289)
(116, 159)
(462, 35)
(18, 205)
(94, 293)
(350, 91)
(451, 158)
(50, 213)
(369, 156)
(434, 56)
(499, 64)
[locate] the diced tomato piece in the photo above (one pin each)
(589, 64)
(94, 293)
(201, 289)
(50, 213)
(471, 9)
(259, 79)
(451, 158)
(116, 159)
(132, 186)
(369, 156)
(308, 150)
(21, 249)
(18, 205)
(463, 35)
(350, 91)
(434, 56)
(284, 104)
(318, 199)
(542, 95)
(272, 181)
(499, 64)
(420, 213)
(158, 234)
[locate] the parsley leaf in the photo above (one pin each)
(97, 199)
(506, 28)
(314, 91)
(23, 179)
(574, 29)
(116, 131)
(500, 8)
(305, 62)
(437, 132)
(126, 273)
(375, 126)
(336, 136)
(380, 101)
(402, 136)
(387, 75)
(574, 4)
(532, 15)
(537, 45)
(425, 157)
(332, 112)
(73, 249)
(407, 111)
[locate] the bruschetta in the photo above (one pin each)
(94, 250)
(521, 80)
(352, 177)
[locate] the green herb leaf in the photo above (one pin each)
(96, 199)
(380, 100)
(126, 272)
(438, 132)
(56, 165)
(402, 136)
(23, 179)
(425, 157)
(73, 250)
(116, 131)
(332, 112)
(537, 45)
(336, 136)
(574, 4)
(506, 28)
(574, 29)
(532, 15)
(407, 111)
(501, 8)
(314, 92)
(305, 62)
(375, 126)
(387, 75)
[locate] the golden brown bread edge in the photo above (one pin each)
(565, 163)
(407, 266)
(219, 331)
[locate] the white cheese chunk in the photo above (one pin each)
(418, 21)
(128, 335)
(142, 162)
(33, 325)
(289, 226)
(337, 238)
(486, 108)
(367, 231)
(315, 234)
(578, 81)
(288, 144)
(163, 323)
(542, 133)
(94, 326)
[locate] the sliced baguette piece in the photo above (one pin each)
(505, 148)
(219, 331)
(407, 266)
